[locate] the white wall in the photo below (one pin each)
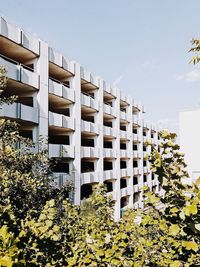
(190, 140)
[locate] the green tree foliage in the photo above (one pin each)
(195, 49)
(40, 227)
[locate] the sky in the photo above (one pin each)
(140, 46)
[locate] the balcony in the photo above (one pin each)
(108, 131)
(61, 151)
(109, 153)
(87, 78)
(136, 155)
(89, 177)
(30, 42)
(124, 135)
(59, 65)
(125, 153)
(136, 171)
(109, 110)
(136, 120)
(20, 112)
(125, 172)
(20, 73)
(126, 191)
(59, 120)
(113, 195)
(124, 116)
(90, 127)
(146, 169)
(88, 101)
(62, 178)
(58, 89)
(89, 152)
(109, 174)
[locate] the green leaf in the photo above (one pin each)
(174, 229)
(190, 245)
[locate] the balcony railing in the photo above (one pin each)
(61, 121)
(89, 152)
(89, 101)
(59, 151)
(20, 111)
(61, 89)
(87, 126)
(20, 72)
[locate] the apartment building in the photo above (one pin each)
(95, 132)
(190, 141)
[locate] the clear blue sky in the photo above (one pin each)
(139, 45)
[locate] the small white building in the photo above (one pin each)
(190, 140)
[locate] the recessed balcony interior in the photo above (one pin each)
(144, 163)
(59, 74)
(108, 142)
(26, 131)
(109, 185)
(145, 131)
(16, 52)
(123, 144)
(87, 114)
(124, 201)
(60, 165)
(108, 120)
(86, 190)
(135, 146)
(59, 105)
(135, 163)
(87, 140)
(136, 197)
(135, 130)
(144, 178)
(123, 183)
(123, 163)
(88, 89)
(123, 105)
(108, 99)
(108, 164)
(152, 176)
(135, 110)
(88, 165)
(56, 138)
(153, 134)
(144, 148)
(135, 180)
(123, 125)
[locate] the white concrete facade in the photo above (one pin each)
(190, 141)
(95, 131)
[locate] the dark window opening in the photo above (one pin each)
(26, 134)
(87, 142)
(107, 165)
(123, 183)
(135, 147)
(123, 146)
(109, 186)
(144, 133)
(28, 101)
(135, 180)
(144, 148)
(60, 166)
(152, 176)
(87, 166)
(108, 123)
(145, 178)
(123, 164)
(144, 163)
(122, 127)
(107, 144)
(124, 202)
(86, 191)
(87, 118)
(65, 111)
(59, 139)
(135, 163)
(135, 130)
(152, 135)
